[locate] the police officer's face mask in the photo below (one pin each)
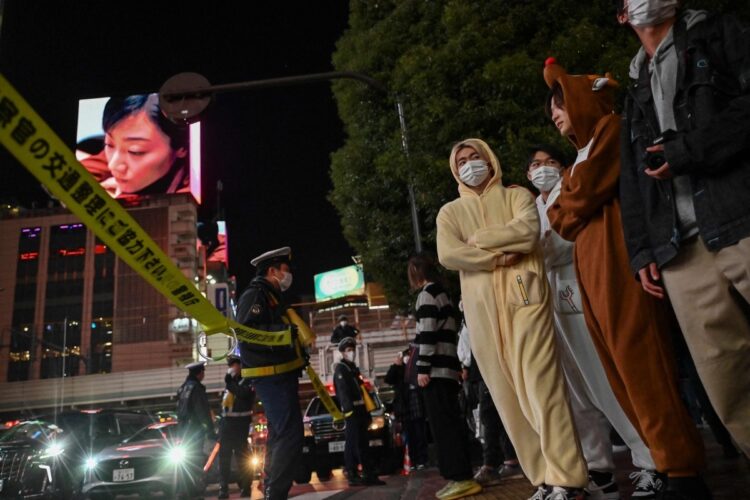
(286, 281)
(349, 355)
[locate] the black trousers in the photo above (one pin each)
(234, 432)
(279, 394)
(357, 446)
(416, 438)
(497, 446)
(448, 429)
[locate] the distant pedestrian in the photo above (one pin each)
(409, 410)
(438, 377)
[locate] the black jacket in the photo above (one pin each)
(341, 332)
(711, 145)
(261, 306)
(193, 413)
(243, 392)
(347, 379)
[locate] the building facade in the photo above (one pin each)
(69, 306)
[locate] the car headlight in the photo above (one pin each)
(53, 450)
(377, 423)
(90, 463)
(177, 455)
(255, 461)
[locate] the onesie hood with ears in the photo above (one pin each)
(588, 98)
(484, 150)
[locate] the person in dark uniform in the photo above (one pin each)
(236, 406)
(349, 386)
(274, 371)
(343, 330)
(194, 425)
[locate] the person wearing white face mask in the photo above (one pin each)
(490, 234)
(350, 389)
(343, 330)
(684, 189)
(274, 371)
(591, 398)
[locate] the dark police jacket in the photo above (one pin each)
(244, 396)
(712, 145)
(193, 414)
(346, 378)
(261, 306)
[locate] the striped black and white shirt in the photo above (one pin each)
(436, 334)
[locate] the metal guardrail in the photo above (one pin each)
(376, 353)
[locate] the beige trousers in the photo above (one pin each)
(701, 286)
(519, 362)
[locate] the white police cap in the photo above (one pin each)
(283, 254)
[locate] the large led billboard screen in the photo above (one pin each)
(133, 150)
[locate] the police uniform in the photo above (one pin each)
(274, 372)
(194, 425)
(237, 408)
(349, 386)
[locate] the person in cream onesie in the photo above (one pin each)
(490, 234)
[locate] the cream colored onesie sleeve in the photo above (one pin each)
(455, 254)
(520, 235)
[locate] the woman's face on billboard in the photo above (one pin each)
(138, 152)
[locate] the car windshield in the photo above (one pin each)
(36, 430)
(153, 432)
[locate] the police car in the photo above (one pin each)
(323, 448)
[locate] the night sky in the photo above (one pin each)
(270, 148)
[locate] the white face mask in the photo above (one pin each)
(406, 360)
(544, 178)
(285, 282)
(473, 172)
(642, 13)
(349, 356)
(343, 323)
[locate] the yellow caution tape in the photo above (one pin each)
(40, 150)
(45, 155)
(323, 394)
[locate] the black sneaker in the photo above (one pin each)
(223, 494)
(539, 494)
(686, 488)
(648, 484)
(602, 486)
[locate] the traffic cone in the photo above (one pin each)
(407, 461)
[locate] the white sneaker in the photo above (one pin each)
(602, 486)
(539, 494)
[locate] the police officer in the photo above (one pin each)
(236, 406)
(274, 371)
(194, 425)
(349, 386)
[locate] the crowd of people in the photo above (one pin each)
(571, 299)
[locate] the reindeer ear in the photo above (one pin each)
(603, 82)
(552, 71)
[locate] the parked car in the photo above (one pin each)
(46, 457)
(151, 460)
(323, 448)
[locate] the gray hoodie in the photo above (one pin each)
(663, 70)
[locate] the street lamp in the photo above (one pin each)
(185, 96)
